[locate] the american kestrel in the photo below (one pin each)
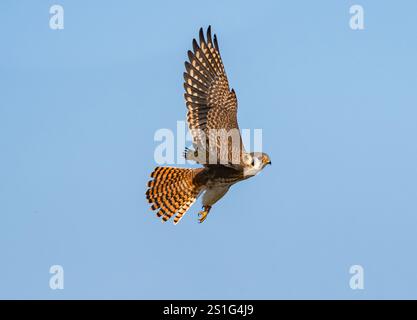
(212, 120)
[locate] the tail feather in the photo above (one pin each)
(184, 208)
(172, 191)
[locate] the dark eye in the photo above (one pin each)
(253, 162)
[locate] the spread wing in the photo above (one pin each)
(212, 106)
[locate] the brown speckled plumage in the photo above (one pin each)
(211, 106)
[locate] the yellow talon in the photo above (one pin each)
(203, 214)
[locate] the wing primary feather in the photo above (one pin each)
(209, 34)
(216, 44)
(189, 66)
(197, 49)
(201, 36)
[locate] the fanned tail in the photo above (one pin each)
(172, 191)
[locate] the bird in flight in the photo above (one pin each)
(218, 147)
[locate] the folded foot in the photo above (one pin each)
(190, 154)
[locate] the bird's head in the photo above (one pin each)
(255, 162)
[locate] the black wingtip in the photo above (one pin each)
(187, 66)
(216, 44)
(195, 45)
(190, 55)
(209, 34)
(201, 35)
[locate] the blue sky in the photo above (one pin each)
(79, 108)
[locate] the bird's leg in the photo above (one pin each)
(203, 214)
